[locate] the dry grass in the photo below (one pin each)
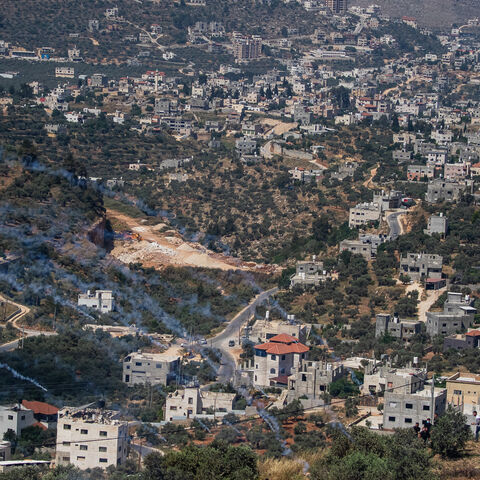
(287, 468)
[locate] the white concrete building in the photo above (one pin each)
(151, 368)
(15, 418)
(90, 438)
(101, 300)
(364, 213)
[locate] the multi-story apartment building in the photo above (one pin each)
(91, 438)
(420, 266)
(274, 360)
(151, 368)
(363, 214)
(457, 315)
(247, 47)
(101, 300)
(456, 171)
(337, 6)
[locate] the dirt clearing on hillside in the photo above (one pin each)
(158, 246)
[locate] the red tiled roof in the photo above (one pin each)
(284, 338)
(473, 333)
(282, 344)
(282, 379)
(435, 280)
(40, 407)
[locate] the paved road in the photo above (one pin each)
(394, 224)
(220, 341)
(8, 347)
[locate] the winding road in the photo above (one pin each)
(220, 341)
(8, 347)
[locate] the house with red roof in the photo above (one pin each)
(44, 413)
(275, 359)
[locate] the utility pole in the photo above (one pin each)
(23, 336)
(432, 402)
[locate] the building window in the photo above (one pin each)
(66, 444)
(10, 417)
(66, 426)
(274, 357)
(23, 417)
(190, 401)
(102, 449)
(80, 458)
(103, 460)
(66, 459)
(159, 365)
(283, 357)
(457, 392)
(392, 404)
(138, 364)
(391, 419)
(173, 407)
(103, 433)
(255, 378)
(83, 447)
(83, 431)
(409, 406)
(426, 407)
(408, 420)
(304, 378)
(272, 370)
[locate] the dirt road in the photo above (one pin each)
(23, 310)
(429, 298)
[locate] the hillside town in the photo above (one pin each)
(239, 250)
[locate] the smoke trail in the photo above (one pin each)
(202, 424)
(22, 377)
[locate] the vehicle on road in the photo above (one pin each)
(231, 343)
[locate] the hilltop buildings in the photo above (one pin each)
(15, 418)
(402, 329)
(309, 273)
(421, 266)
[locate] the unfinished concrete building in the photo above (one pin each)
(437, 224)
(379, 377)
(404, 330)
(309, 273)
(441, 190)
(364, 214)
(421, 266)
(457, 316)
(310, 380)
(402, 409)
(190, 402)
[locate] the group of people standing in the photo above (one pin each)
(424, 431)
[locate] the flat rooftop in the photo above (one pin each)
(90, 415)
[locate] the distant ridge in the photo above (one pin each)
(430, 13)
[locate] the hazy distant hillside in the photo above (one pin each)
(432, 13)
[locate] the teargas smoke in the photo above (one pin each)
(22, 377)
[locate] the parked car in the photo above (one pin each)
(231, 343)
